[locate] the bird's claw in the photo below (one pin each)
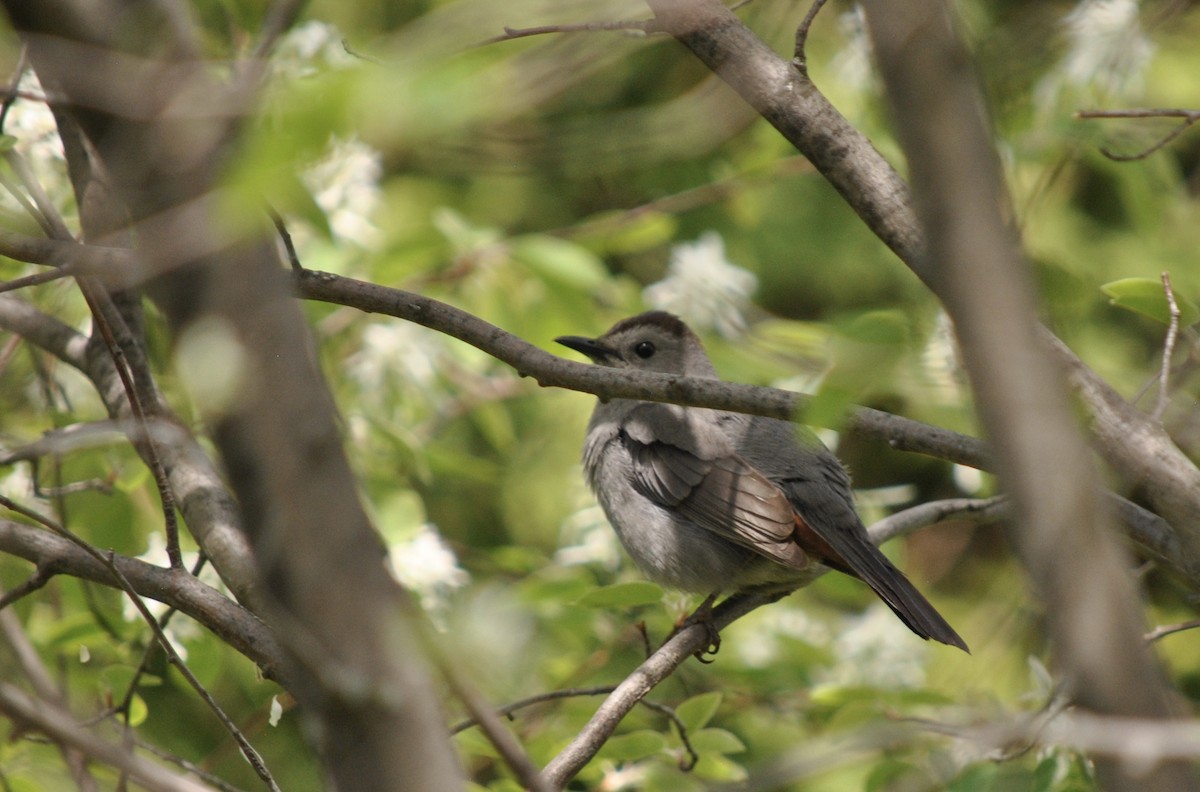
(703, 616)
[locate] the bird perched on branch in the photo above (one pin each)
(708, 501)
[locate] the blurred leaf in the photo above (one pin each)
(977, 778)
(561, 262)
(696, 712)
(622, 595)
(1147, 297)
(717, 767)
(138, 711)
(877, 327)
(621, 233)
(633, 746)
(716, 741)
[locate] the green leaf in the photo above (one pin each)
(696, 712)
(877, 327)
(716, 741)
(975, 779)
(7, 143)
(715, 767)
(633, 746)
(622, 595)
(562, 262)
(1147, 297)
(622, 233)
(137, 711)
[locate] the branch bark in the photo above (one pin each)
(229, 621)
(352, 652)
(60, 726)
(1062, 529)
(783, 93)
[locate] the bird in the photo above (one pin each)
(708, 501)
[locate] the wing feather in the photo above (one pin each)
(725, 495)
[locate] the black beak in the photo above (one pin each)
(599, 353)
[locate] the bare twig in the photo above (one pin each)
(1190, 117)
(248, 751)
(800, 57)
(1168, 349)
(638, 25)
(40, 577)
(488, 719)
(1170, 629)
(109, 560)
(232, 623)
(37, 279)
(13, 93)
(60, 725)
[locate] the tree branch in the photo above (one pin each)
(229, 621)
(1061, 526)
(60, 725)
(695, 638)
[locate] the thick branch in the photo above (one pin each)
(352, 656)
(1150, 532)
(785, 96)
(1061, 526)
(204, 500)
(229, 621)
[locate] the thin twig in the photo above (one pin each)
(89, 288)
(599, 690)
(488, 720)
(1170, 629)
(1168, 349)
(286, 238)
(1190, 117)
(40, 577)
(248, 751)
(109, 561)
(685, 764)
(510, 33)
(147, 655)
(59, 725)
(13, 92)
(37, 279)
(799, 56)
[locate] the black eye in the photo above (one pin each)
(644, 349)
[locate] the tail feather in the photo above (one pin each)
(851, 552)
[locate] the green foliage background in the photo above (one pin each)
(540, 183)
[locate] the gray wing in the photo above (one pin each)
(693, 472)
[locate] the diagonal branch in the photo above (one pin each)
(695, 638)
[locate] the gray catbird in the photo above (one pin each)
(708, 501)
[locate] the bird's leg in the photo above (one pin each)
(703, 615)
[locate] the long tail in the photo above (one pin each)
(851, 552)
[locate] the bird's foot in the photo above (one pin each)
(703, 616)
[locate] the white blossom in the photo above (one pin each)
(876, 649)
(394, 354)
(345, 184)
(310, 48)
(761, 642)
(427, 566)
(853, 64)
(1107, 55)
(704, 288)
